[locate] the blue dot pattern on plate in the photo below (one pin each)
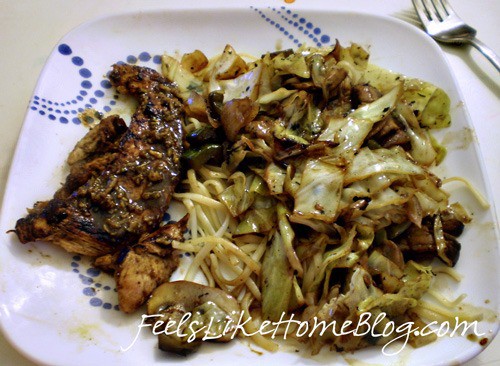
(91, 287)
(91, 92)
(293, 26)
(290, 23)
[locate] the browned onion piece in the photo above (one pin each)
(236, 114)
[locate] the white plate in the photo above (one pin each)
(56, 309)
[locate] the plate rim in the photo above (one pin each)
(238, 7)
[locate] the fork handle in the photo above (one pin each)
(487, 52)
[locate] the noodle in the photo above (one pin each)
(427, 310)
(445, 302)
(449, 271)
(206, 272)
(195, 245)
(252, 328)
(204, 221)
(477, 195)
(198, 260)
(200, 199)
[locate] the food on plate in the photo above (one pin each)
(140, 268)
(310, 191)
(307, 180)
(206, 307)
(120, 183)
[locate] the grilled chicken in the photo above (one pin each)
(122, 181)
(92, 154)
(143, 267)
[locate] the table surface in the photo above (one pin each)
(30, 29)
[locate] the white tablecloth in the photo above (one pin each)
(30, 29)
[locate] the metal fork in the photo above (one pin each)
(444, 25)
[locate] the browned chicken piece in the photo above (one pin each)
(97, 149)
(128, 187)
(140, 269)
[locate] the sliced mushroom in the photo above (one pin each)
(199, 312)
(454, 218)
(362, 94)
(418, 242)
(388, 133)
(429, 241)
